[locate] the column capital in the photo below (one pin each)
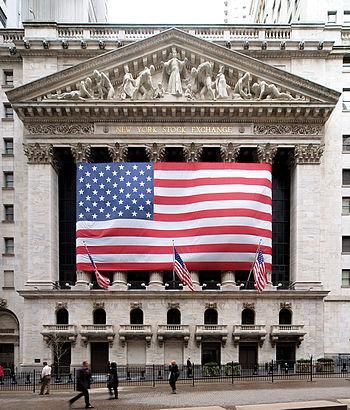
(266, 153)
(118, 152)
(192, 152)
(40, 154)
(155, 152)
(229, 152)
(81, 152)
(308, 153)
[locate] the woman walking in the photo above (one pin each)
(113, 381)
(173, 375)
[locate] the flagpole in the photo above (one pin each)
(251, 268)
(173, 263)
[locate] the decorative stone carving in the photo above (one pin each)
(40, 154)
(61, 305)
(211, 305)
(58, 128)
(285, 305)
(242, 87)
(247, 305)
(192, 152)
(144, 88)
(172, 70)
(148, 341)
(221, 87)
(118, 152)
(122, 340)
(266, 153)
(189, 95)
(159, 92)
(201, 78)
(98, 305)
(308, 154)
(288, 129)
(229, 152)
(160, 340)
(3, 303)
(81, 152)
(129, 84)
(264, 91)
(173, 305)
(155, 152)
(102, 85)
(186, 340)
(84, 91)
(135, 305)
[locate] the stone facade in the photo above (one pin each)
(54, 116)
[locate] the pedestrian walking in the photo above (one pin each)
(173, 375)
(2, 374)
(83, 385)
(189, 367)
(45, 379)
(113, 381)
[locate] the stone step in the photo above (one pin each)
(300, 405)
(197, 408)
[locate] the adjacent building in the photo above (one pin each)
(283, 106)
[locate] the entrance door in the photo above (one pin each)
(248, 355)
(211, 352)
(285, 353)
(99, 356)
(7, 356)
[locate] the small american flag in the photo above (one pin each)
(182, 272)
(102, 281)
(260, 275)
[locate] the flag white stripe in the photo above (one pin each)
(209, 173)
(211, 189)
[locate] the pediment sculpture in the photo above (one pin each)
(176, 80)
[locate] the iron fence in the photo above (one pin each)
(153, 375)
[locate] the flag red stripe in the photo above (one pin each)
(140, 249)
(189, 183)
(156, 233)
(234, 196)
(169, 266)
(213, 213)
(185, 166)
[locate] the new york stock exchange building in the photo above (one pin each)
(217, 94)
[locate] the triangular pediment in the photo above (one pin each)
(184, 71)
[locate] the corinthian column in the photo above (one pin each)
(266, 153)
(155, 152)
(192, 152)
(306, 216)
(42, 219)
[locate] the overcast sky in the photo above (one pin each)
(166, 11)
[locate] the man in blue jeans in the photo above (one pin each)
(83, 384)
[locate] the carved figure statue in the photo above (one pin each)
(144, 86)
(193, 80)
(83, 92)
(188, 93)
(203, 80)
(159, 92)
(103, 85)
(172, 70)
(242, 87)
(129, 84)
(265, 91)
(222, 89)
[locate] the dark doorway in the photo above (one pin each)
(99, 356)
(285, 353)
(136, 317)
(99, 317)
(248, 317)
(62, 317)
(7, 356)
(210, 317)
(173, 317)
(62, 358)
(211, 352)
(285, 317)
(248, 355)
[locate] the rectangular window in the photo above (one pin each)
(9, 213)
(8, 146)
(346, 16)
(346, 206)
(345, 278)
(9, 246)
(8, 78)
(8, 179)
(346, 99)
(9, 279)
(8, 111)
(346, 244)
(332, 17)
(346, 177)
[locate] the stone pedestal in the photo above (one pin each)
(228, 280)
(156, 281)
(83, 280)
(119, 281)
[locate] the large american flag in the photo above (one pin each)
(129, 214)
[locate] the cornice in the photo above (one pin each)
(182, 40)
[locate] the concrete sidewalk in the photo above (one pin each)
(203, 395)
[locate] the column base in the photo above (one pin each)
(155, 286)
(229, 286)
(118, 286)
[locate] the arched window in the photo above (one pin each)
(136, 317)
(99, 317)
(62, 317)
(248, 317)
(285, 317)
(173, 317)
(210, 317)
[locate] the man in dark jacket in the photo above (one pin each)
(113, 381)
(83, 384)
(173, 375)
